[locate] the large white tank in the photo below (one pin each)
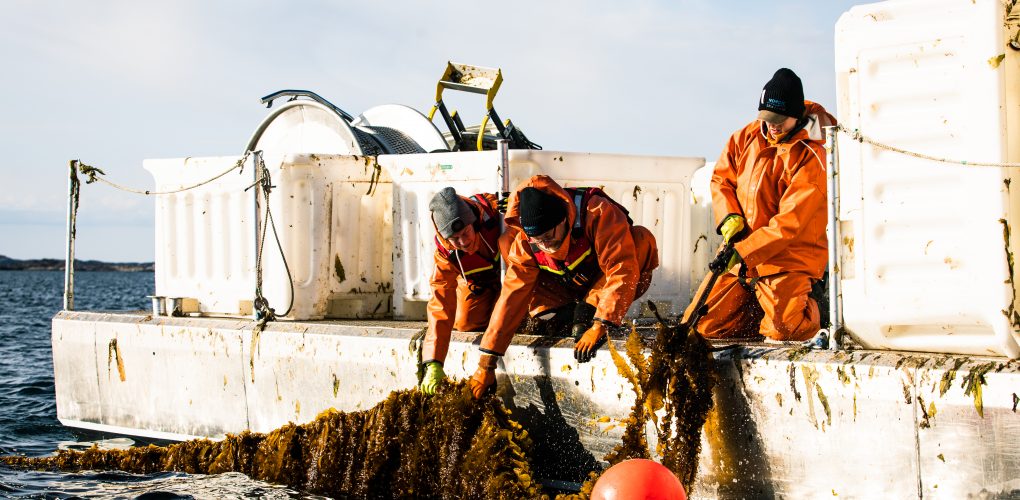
(927, 247)
(331, 214)
(655, 190)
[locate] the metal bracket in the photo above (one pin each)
(294, 94)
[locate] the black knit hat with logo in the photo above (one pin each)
(782, 97)
(540, 211)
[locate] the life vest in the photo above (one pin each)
(580, 268)
(473, 266)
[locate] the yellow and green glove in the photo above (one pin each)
(731, 226)
(434, 376)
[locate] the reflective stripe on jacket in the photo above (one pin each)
(442, 306)
(580, 267)
(472, 263)
(605, 225)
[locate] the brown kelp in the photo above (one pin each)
(444, 446)
(673, 387)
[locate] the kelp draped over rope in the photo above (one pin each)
(410, 445)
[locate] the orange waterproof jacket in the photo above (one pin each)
(442, 307)
(605, 225)
(780, 190)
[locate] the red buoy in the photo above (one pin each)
(638, 479)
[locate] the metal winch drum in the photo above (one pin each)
(309, 123)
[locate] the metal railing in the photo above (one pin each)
(833, 236)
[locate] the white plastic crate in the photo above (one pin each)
(332, 214)
(205, 237)
(924, 260)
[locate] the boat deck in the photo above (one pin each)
(788, 422)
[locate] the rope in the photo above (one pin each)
(94, 174)
(261, 304)
(856, 135)
(373, 183)
(264, 185)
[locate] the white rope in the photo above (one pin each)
(820, 162)
(263, 185)
(94, 174)
(859, 137)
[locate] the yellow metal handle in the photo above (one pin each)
(481, 131)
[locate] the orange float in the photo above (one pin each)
(638, 479)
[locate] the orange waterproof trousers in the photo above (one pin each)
(550, 293)
(474, 309)
(778, 308)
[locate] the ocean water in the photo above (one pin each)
(28, 411)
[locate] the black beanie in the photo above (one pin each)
(782, 95)
(540, 211)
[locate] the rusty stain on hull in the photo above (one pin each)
(256, 334)
(113, 354)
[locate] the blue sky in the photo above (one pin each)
(116, 82)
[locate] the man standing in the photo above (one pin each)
(466, 281)
(577, 254)
(769, 195)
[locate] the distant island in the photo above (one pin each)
(9, 264)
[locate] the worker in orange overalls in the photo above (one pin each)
(769, 197)
(577, 255)
(466, 281)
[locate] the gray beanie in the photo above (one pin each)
(450, 212)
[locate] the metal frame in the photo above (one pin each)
(832, 234)
(294, 94)
(503, 146)
(475, 80)
(256, 223)
(73, 186)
